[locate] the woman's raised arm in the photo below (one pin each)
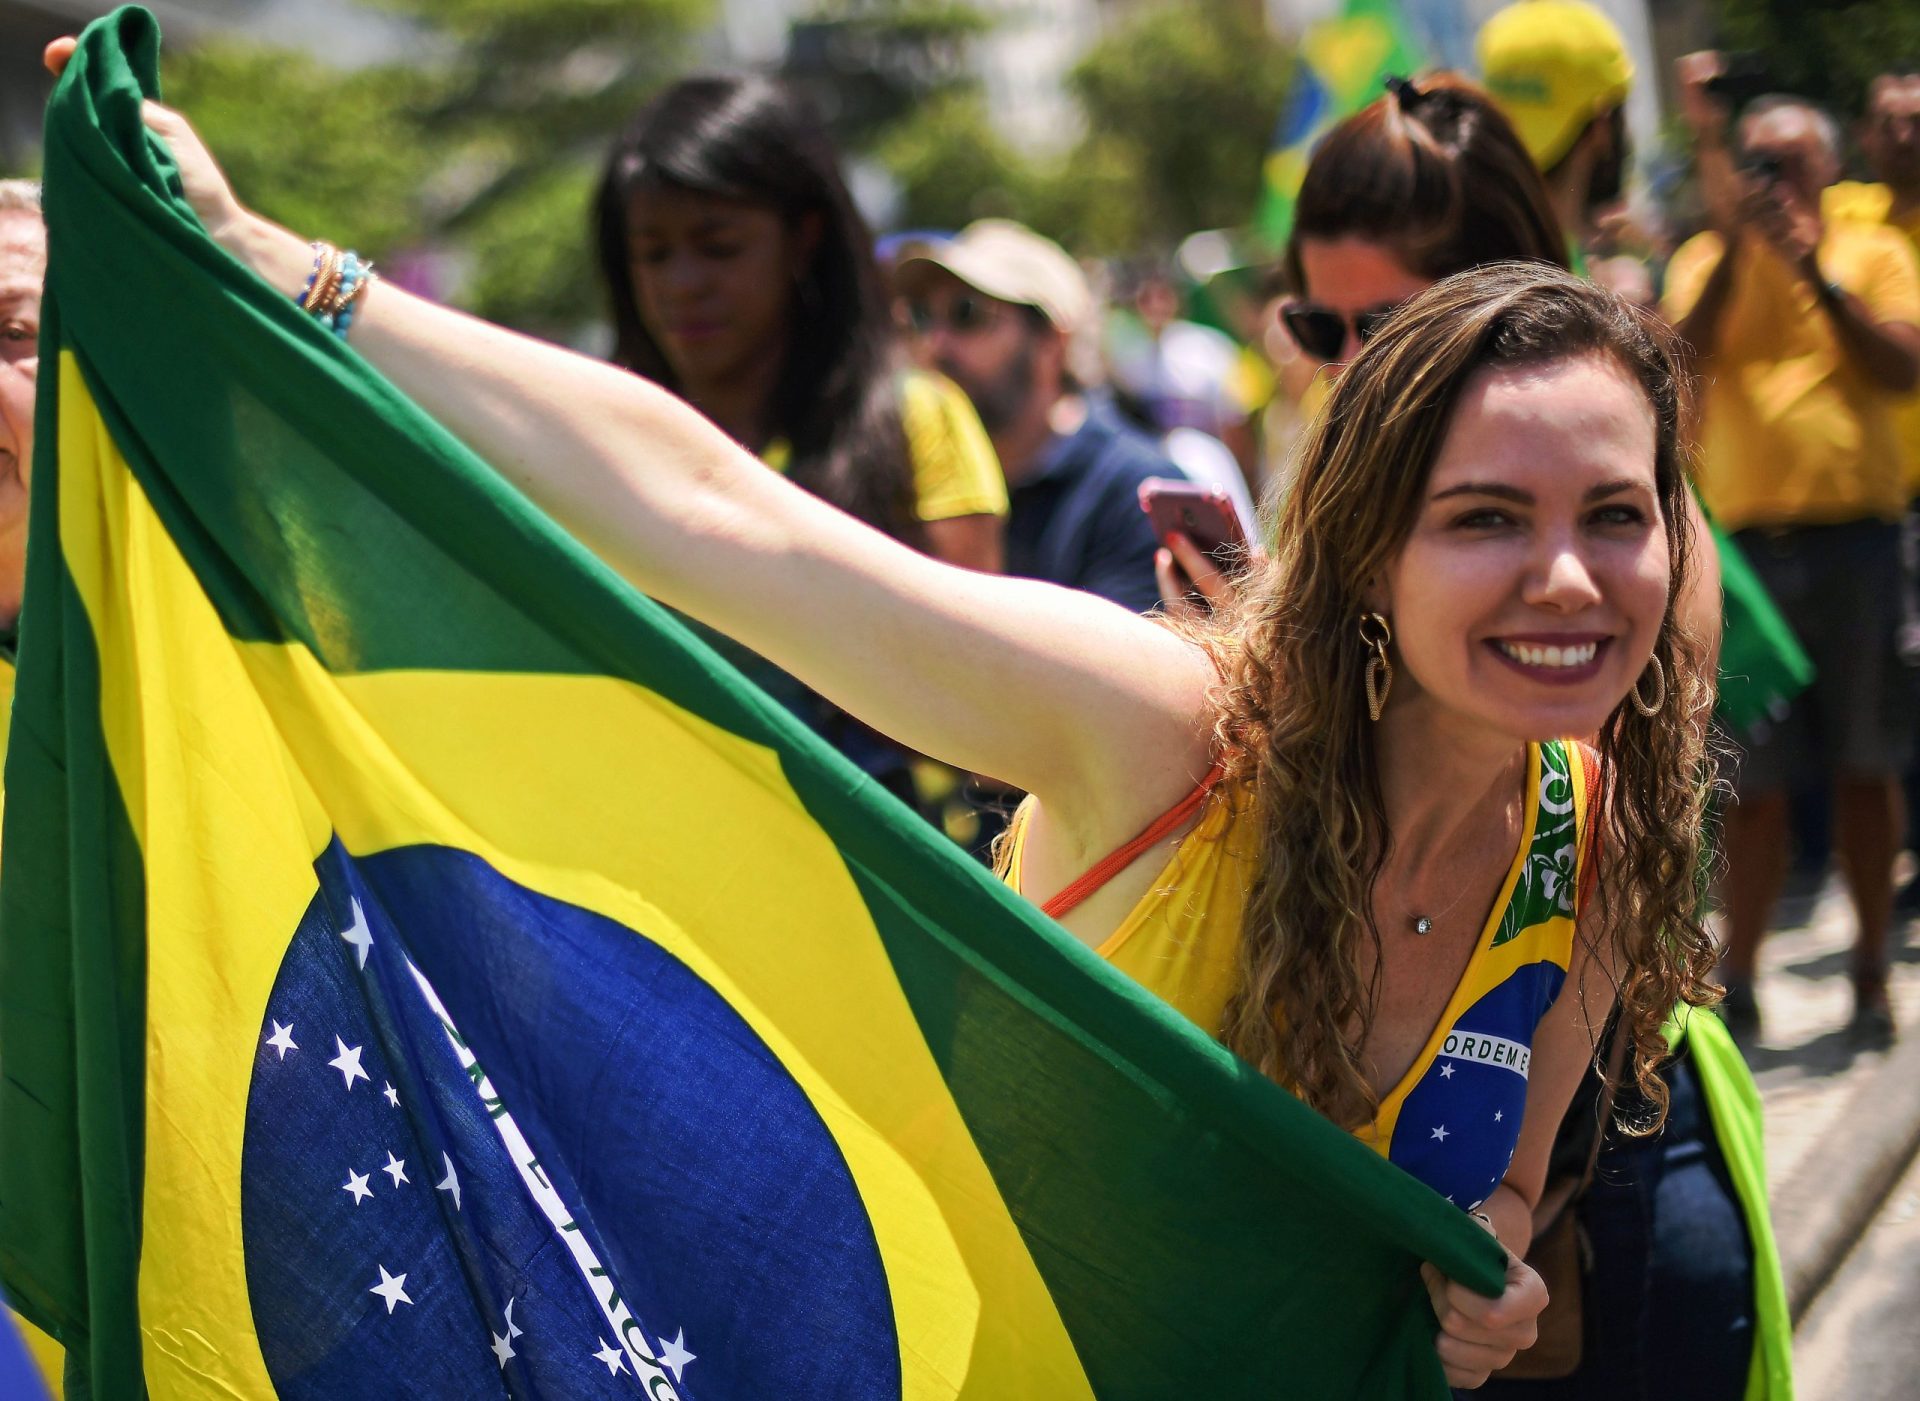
(1055, 691)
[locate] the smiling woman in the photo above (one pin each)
(1499, 476)
(1292, 845)
(1564, 447)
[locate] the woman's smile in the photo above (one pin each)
(1567, 660)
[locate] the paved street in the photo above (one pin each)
(1859, 1340)
(1803, 1063)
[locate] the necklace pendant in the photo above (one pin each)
(1422, 925)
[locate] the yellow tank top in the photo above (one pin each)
(1454, 1118)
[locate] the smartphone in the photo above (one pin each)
(1742, 77)
(1204, 514)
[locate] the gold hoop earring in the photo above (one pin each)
(1377, 633)
(1651, 708)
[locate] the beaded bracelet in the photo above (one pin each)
(334, 287)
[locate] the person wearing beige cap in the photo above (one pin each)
(1560, 73)
(997, 309)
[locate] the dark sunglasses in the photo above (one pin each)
(963, 315)
(1322, 332)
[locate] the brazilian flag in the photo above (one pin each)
(427, 971)
(1343, 62)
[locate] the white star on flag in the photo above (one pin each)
(1498, 1115)
(396, 1168)
(503, 1342)
(348, 1063)
(359, 935)
(1441, 1133)
(615, 1359)
(356, 1183)
(451, 1183)
(674, 1355)
(392, 1288)
(1446, 1072)
(282, 1039)
(392, 1095)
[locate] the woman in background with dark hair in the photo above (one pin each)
(741, 277)
(1428, 181)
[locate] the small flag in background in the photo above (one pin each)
(1342, 64)
(437, 974)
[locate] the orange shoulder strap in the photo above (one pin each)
(1118, 860)
(1590, 839)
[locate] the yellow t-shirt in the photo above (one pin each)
(1182, 942)
(1791, 432)
(1873, 204)
(955, 470)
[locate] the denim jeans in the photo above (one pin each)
(1668, 1301)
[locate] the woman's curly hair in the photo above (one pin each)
(1292, 718)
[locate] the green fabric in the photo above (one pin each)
(1762, 664)
(1200, 1231)
(1733, 1105)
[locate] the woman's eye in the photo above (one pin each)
(1486, 518)
(19, 331)
(720, 252)
(1619, 515)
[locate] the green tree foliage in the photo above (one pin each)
(1192, 93)
(483, 139)
(1829, 50)
(333, 154)
(1179, 103)
(952, 166)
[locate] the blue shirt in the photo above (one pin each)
(1077, 519)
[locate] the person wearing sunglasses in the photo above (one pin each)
(1427, 181)
(1003, 312)
(1329, 335)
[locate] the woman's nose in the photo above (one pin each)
(1564, 580)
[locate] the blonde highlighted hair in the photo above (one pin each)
(1292, 720)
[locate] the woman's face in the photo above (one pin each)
(1531, 591)
(714, 280)
(1352, 278)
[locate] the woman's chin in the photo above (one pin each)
(1569, 719)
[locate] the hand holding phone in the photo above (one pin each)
(1201, 540)
(1204, 514)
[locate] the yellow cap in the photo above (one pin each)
(1553, 66)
